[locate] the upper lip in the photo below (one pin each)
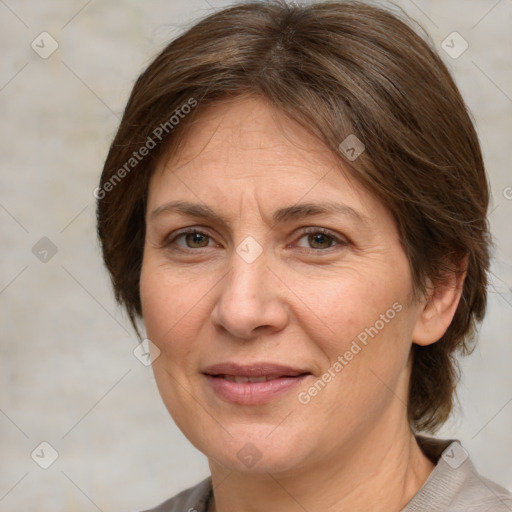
(253, 370)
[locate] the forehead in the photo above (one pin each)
(248, 148)
(252, 129)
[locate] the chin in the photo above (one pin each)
(255, 452)
(255, 462)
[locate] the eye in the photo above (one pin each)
(320, 239)
(193, 238)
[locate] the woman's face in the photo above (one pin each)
(326, 295)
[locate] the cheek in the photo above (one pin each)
(173, 308)
(369, 326)
(154, 298)
(161, 303)
(349, 304)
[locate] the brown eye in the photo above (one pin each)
(193, 238)
(319, 239)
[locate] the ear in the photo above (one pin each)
(439, 307)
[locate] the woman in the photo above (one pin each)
(295, 205)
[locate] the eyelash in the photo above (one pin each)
(169, 242)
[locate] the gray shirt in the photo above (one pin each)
(453, 486)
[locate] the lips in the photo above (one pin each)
(241, 378)
(268, 370)
(253, 384)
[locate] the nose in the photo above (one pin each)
(251, 299)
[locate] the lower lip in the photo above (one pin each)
(252, 393)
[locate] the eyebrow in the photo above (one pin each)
(281, 215)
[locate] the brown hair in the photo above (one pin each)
(338, 68)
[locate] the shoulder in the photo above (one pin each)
(193, 499)
(455, 485)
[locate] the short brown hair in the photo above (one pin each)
(339, 69)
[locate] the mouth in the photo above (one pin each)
(265, 370)
(253, 384)
(241, 378)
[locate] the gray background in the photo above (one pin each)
(68, 373)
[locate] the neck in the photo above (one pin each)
(381, 470)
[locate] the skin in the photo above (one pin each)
(301, 303)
